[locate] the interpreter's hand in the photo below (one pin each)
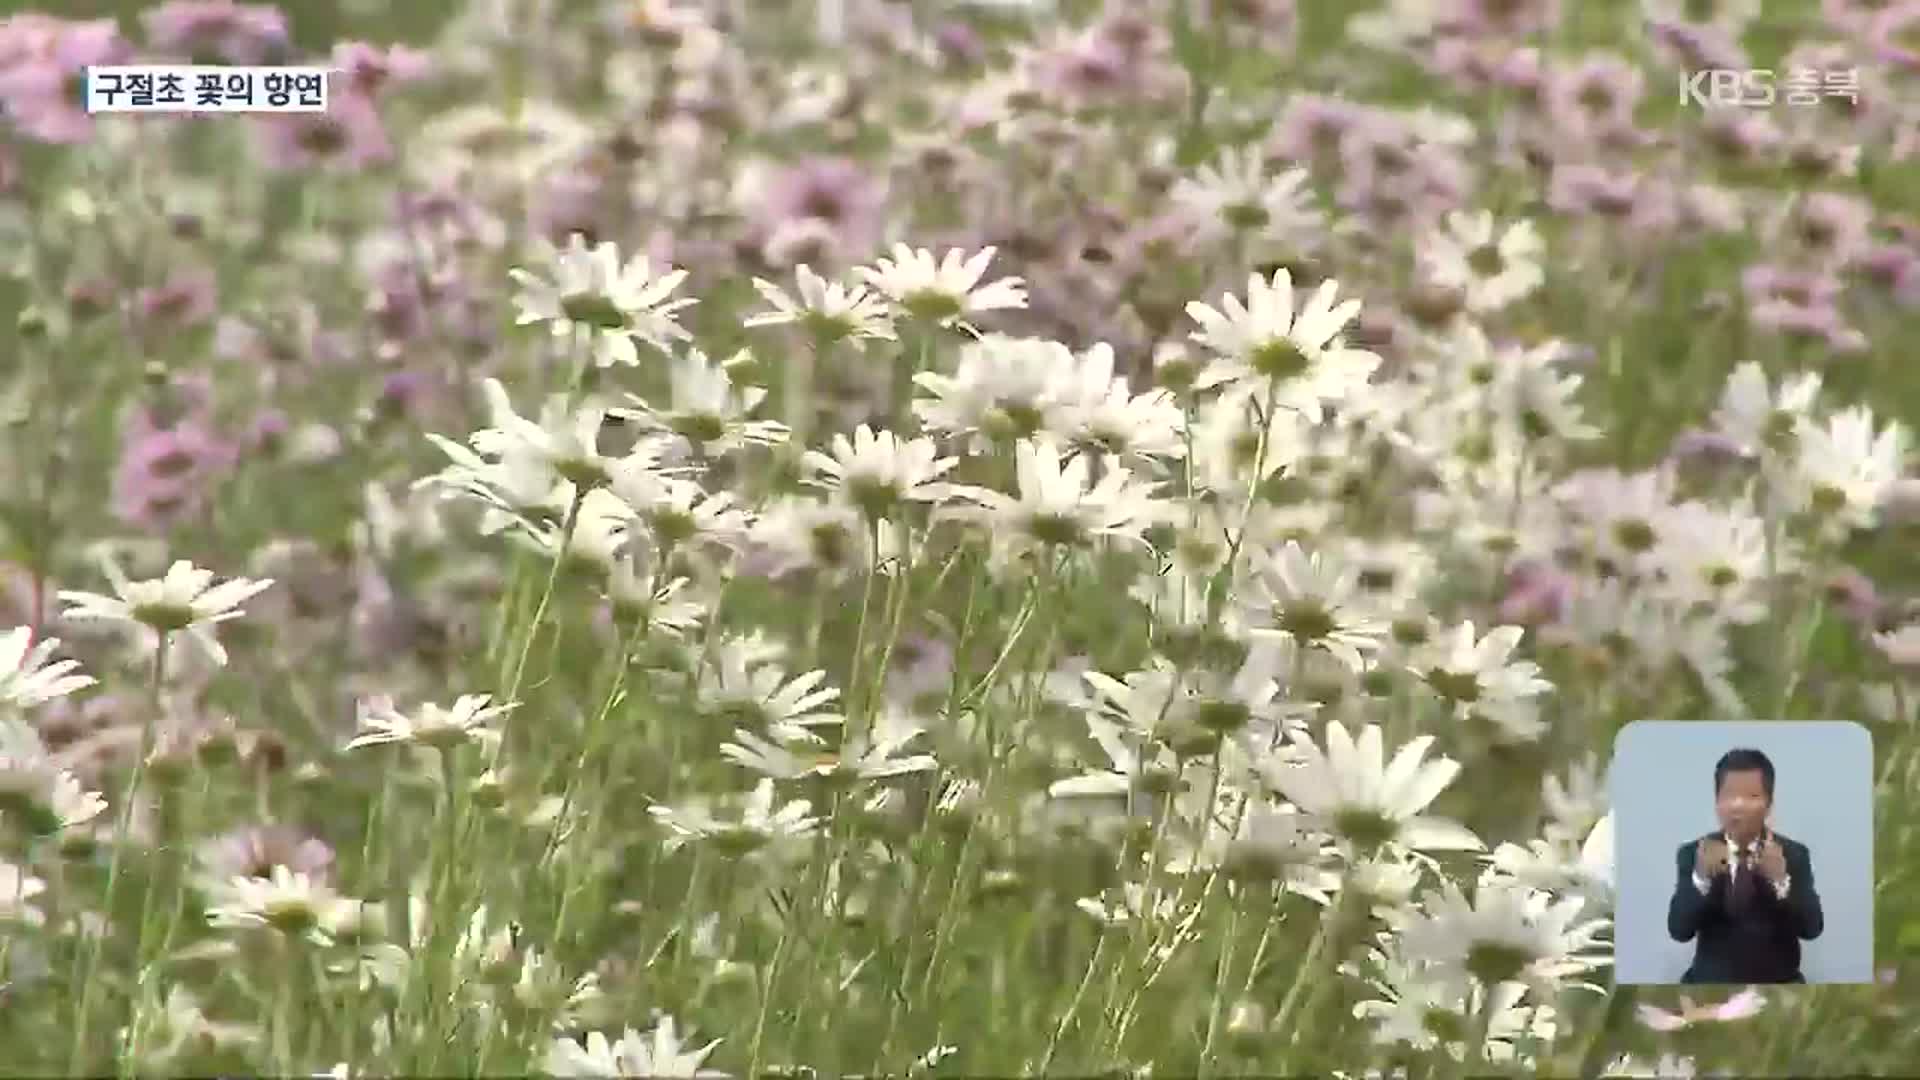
(1772, 863)
(1709, 857)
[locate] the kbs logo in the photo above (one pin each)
(1727, 88)
(1758, 88)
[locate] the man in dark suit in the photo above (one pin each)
(1746, 892)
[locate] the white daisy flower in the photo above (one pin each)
(876, 754)
(1263, 347)
(1493, 268)
(529, 470)
(1096, 410)
(1846, 467)
(181, 1028)
(1557, 867)
(879, 471)
(1759, 418)
(1622, 513)
(945, 293)
(513, 491)
(413, 523)
(1717, 559)
(18, 887)
(1138, 766)
(1391, 574)
(1401, 24)
(1478, 673)
(563, 441)
(755, 824)
(660, 1053)
(1575, 801)
(667, 606)
(1310, 600)
(1228, 446)
(1001, 389)
(36, 793)
(1237, 191)
(1132, 902)
(469, 719)
(545, 987)
(1369, 802)
(1061, 505)
(1253, 840)
(793, 533)
(1901, 646)
(1507, 933)
(594, 294)
(1383, 886)
(1197, 706)
(1531, 393)
(184, 600)
(28, 674)
(827, 310)
(1151, 703)
(710, 410)
(602, 535)
(681, 512)
(292, 903)
(1422, 1009)
(738, 684)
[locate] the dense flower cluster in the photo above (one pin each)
(1006, 537)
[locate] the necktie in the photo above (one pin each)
(1740, 891)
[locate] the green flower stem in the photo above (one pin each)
(546, 597)
(1222, 970)
(1310, 978)
(90, 981)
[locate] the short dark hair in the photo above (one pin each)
(1744, 759)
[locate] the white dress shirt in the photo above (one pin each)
(1734, 851)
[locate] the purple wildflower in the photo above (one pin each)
(217, 31)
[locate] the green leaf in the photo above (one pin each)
(1908, 939)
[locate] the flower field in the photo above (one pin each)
(973, 539)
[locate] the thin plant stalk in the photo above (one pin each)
(122, 829)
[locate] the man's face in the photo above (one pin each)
(1742, 804)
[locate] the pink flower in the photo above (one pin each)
(43, 64)
(217, 31)
(253, 852)
(1855, 595)
(1536, 593)
(1707, 447)
(1595, 101)
(348, 136)
(165, 475)
(1768, 284)
(837, 202)
(1693, 48)
(960, 46)
(1831, 226)
(188, 299)
(1511, 18)
(1591, 189)
(1803, 303)
(370, 69)
(579, 200)
(1740, 1006)
(1086, 70)
(1853, 16)
(1894, 35)
(1311, 129)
